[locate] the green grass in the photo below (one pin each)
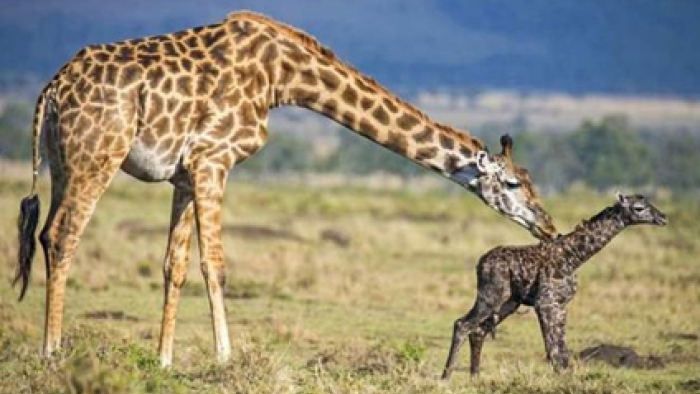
(307, 314)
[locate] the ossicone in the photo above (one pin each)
(506, 145)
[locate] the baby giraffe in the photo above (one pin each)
(542, 276)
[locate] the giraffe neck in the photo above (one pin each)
(308, 75)
(591, 236)
(365, 107)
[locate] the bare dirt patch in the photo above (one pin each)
(110, 315)
(620, 357)
(683, 336)
(136, 228)
(252, 231)
(692, 385)
(336, 237)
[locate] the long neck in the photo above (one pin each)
(314, 78)
(591, 236)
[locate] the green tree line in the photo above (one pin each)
(601, 154)
(611, 153)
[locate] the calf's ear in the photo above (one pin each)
(621, 199)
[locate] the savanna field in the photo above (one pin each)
(346, 289)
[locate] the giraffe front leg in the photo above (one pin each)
(175, 267)
(209, 183)
(476, 344)
(552, 318)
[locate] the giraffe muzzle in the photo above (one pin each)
(661, 220)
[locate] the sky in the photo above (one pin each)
(622, 46)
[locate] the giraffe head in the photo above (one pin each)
(636, 209)
(508, 189)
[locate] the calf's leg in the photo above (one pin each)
(486, 307)
(552, 318)
(476, 337)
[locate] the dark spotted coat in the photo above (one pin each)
(542, 276)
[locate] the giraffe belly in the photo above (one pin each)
(149, 165)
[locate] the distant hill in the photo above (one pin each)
(637, 47)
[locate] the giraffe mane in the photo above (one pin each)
(308, 41)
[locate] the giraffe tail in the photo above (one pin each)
(29, 207)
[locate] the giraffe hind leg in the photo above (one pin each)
(464, 327)
(488, 308)
(72, 206)
(476, 337)
(78, 180)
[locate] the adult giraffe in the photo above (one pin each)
(185, 107)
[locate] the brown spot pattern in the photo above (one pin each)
(390, 106)
(407, 121)
(368, 129)
(426, 153)
(425, 135)
(381, 115)
(329, 79)
(366, 103)
(446, 141)
(350, 96)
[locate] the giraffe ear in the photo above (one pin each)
(621, 199)
(484, 163)
(506, 145)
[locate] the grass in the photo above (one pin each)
(370, 313)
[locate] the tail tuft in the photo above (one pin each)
(27, 222)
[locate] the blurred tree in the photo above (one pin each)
(602, 154)
(282, 154)
(357, 155)
(15, 133)
(677, 161)
(550, 159)
(611, 154)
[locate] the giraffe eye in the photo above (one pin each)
(513, 183)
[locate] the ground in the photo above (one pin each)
(343, 290)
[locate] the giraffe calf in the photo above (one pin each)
(542, 276)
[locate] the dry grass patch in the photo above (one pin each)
(344, 290)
